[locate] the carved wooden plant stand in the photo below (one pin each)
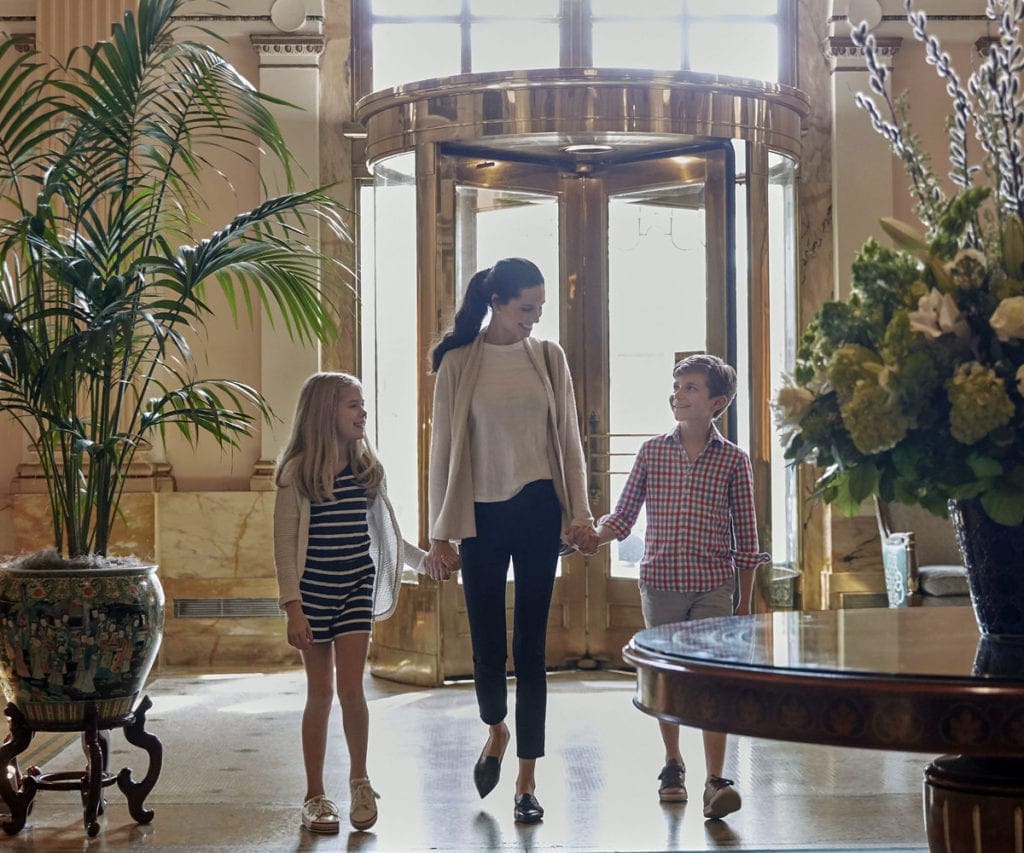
(18, 789)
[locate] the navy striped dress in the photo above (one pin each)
(337, 583)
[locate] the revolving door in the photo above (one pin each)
(660, 210)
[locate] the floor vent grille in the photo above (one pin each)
(225, 608)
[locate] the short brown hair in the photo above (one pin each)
(720, 376)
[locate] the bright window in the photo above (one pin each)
(414, 40)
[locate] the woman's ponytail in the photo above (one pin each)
(466, 324)
(505, 280)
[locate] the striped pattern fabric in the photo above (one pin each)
(337, 584)
(700, 513)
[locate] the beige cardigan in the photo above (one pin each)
(291, 536)
(451, 475)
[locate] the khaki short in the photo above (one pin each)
(662, 607)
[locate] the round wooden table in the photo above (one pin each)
(916, 679)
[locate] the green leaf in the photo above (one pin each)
(863, 482)
(1004, 506)
(844, 501)
(905, 237)
(984, 466)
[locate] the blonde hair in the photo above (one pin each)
(312, 457)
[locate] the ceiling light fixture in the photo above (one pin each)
(586, 149)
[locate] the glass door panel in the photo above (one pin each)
(782, 200)
(636, 258)
(388, 318)
(656, 260)
(667, 290)
(501, 209)
(505, 223)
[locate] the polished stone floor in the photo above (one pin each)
(232, 779)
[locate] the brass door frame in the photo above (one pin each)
(538, 114)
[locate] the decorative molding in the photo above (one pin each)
(24, 42)
(282, 45)
(844, 55)
(843, 46)
(142, 476)
(262, 478)
(192, 19)
(902, 19)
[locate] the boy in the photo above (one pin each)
(698, 488)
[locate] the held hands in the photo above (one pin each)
(441, 560)
(584, 537)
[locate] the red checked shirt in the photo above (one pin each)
(700, 514)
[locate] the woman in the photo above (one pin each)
(506, 480)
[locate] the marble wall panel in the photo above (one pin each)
(223, 643)
(134, 531)
(226, 535)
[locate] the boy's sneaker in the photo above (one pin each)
(720, 797)
(673, 783)
(319, 814)
(362, 813)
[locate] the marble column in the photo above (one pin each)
(289, 70)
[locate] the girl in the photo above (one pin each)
(507, 479)
(338, 555)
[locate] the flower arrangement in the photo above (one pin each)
(912, 388)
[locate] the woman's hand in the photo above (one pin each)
(441, 560)
(300, 635)
(584, 537)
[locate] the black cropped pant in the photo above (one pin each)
(525, 528)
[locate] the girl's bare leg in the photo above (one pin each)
(350, 656)
(319, 663)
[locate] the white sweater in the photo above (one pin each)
(508, 424)
(451, 468)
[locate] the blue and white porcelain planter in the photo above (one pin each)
(76, 642)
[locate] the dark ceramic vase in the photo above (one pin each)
(76, 643)
(993, 555)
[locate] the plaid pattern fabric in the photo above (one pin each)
(700, 514)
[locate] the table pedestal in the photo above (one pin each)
(91, 782)
(974, 804)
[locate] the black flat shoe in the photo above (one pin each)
(527, 809)
(487, 770)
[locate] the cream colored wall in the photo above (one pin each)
(225, 348)
(931, 107)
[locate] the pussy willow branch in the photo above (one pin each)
(926, 188)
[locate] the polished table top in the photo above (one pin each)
(912, 679)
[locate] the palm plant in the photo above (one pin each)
(101, 280)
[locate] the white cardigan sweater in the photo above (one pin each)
(291, 537)
(451, 475)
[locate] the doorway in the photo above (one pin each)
(638, 260)
(635, 199)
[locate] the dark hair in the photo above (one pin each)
(506, 280)
(721, 377)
